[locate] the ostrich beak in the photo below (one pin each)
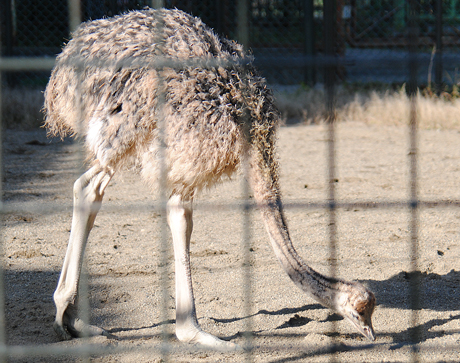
(364, 327)
(367, 331)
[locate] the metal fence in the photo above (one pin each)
(371, 39)
(394, 42)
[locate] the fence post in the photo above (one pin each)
(400, 16)
(330, 50)
(330, 43)
(74, 14)
(310, 74)
(6, 30)
(243, 23)
(158, 4)
(3, 355)
(438, 70)
(6, 36)
(415, 281)
(219, 27)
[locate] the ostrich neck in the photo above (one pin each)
(324, 289)
(264, 179)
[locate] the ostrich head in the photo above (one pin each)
(356, 303)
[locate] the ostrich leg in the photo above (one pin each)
(88, 192)
(187, 327)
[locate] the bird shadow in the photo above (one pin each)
(283, 311)
(422, 332)
(435, 292)
(418, 291)
(138, 332)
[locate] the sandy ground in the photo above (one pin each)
(124, 256)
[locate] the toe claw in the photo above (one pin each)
(61, 331)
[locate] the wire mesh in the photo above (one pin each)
(383, 26)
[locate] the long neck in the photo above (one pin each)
(264, 180)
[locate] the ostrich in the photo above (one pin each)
(210, 117)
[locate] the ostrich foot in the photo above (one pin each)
(73, 327)
(202, 339)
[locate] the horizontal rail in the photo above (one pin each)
(26, 63)
(279, 61)
(20, 351)
(155, 206)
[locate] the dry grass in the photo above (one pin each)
(374, 107)
(21, 107)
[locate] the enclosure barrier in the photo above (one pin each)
(329, 62)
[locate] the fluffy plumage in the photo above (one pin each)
(116, 108)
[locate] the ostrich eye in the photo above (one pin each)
(354, 314)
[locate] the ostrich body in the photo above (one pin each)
(115, 109)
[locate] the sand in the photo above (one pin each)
(124, 257)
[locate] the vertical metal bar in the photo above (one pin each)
(339, 29)
(164, 245)
(243, 23)
(354, 18)
(163, 200)
(74, 14)
(3, 355)
(219, 17)
(83, 304)
(400, 16)
(332, 211)
(112, 7)
(243, 13)
(158, 4)
(6, 30)
(415, 330)
(246, 223)
(74, 8)
(415, 280)
(247, 261)
(438, 70)
(6, 35)
(310, 73)
(330, 34)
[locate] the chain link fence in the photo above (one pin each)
(285, 37)
(371, 38)
(318, 45)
